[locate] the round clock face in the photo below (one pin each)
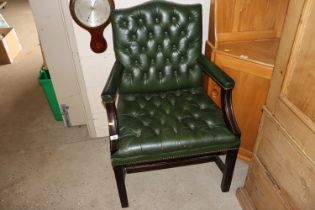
(92, 13)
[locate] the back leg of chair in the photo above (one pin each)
(120, 181)
(228, 170)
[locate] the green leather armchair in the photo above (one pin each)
(164, 118)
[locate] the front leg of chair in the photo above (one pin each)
(228, 170)
(114, 145)
(120, 181)
(231, 155)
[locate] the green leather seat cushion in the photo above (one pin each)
(169, 125)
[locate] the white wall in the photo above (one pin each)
(95, 68)
(57, 50)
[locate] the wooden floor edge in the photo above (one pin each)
(244, 199)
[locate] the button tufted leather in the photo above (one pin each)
(163, 111)
(170, 34)
(164, 118)
(173, 124)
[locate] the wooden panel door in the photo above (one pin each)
(290, 156)
(286, 142)
(294, 107)
(264, 194)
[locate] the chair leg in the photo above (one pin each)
(120, 180)
(228, 170)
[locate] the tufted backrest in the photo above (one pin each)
(158, 43)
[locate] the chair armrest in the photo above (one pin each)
(219, 76)
(227, 84)
(112, 84)
(228, 112)
(112, 126)
(108, 97)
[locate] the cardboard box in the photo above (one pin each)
(9, 45)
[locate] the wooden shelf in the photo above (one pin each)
(256, 51)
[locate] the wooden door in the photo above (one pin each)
(289, 155)
(282, 175)
(293, 103)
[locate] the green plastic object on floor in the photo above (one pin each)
(45, 81)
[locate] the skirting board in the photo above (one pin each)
(244, 199)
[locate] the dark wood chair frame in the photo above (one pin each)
(227, 168)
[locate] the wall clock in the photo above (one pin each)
(93, 16)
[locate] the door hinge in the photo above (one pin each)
(65, 114)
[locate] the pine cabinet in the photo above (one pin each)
(243, 40)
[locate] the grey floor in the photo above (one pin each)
(44, 165)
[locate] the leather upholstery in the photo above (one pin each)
(163, 112)
(168, 125)
(158, 44)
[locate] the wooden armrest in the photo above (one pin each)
(112, 125)
(228, 113)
